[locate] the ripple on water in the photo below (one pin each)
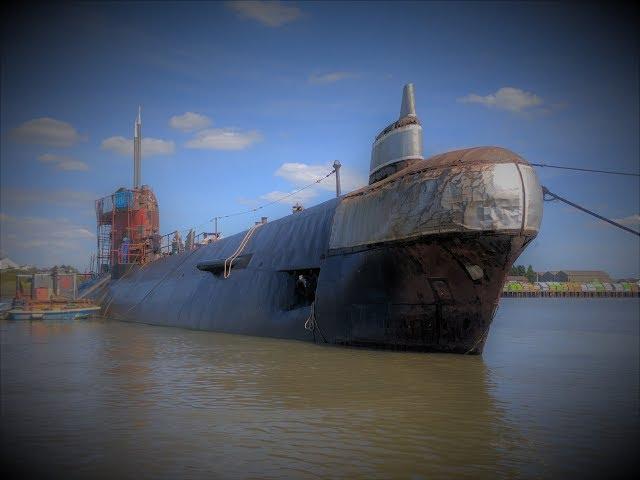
(550, 397)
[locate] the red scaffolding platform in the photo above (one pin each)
(128, 228)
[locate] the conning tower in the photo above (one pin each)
(128, 220)
(400, 143)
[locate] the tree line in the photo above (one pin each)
(520, 270)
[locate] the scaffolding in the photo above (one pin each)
(127, 228)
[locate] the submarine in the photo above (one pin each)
(415, 260)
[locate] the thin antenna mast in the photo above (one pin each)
(137, 149)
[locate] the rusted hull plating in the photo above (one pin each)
(439, 293)
(415, 261)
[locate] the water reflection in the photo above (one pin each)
(152, 399)
(109, 399)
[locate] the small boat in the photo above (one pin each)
(56, 313)
(49, 296)
(4, 309)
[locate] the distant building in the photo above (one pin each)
(552, 276)
(516, 278)
(578, 276)
(586, 276)
(6, 263)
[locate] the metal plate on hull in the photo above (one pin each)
(453, 196)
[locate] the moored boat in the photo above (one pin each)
(49, 296)
(66, 312)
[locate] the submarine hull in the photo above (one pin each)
(438, 293)
(415, 261)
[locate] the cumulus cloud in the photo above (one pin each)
(66, 198)
(301, 174)
(189, 122)
(46, 131)
(506, 98)
(299, 197)
(271, 14)
(49, 157)
(330, 77)
(46, 241)
(150, 146)
(630, 221)
(73, 165)
(63, 162)
(224, 139)
(76, 201)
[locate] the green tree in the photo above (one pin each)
(531, 275)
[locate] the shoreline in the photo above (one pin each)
(598, 295)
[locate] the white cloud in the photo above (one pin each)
(300, 197)
(46, 131)
(156, 146)
(73, 165)
(189, 122)
(46, 241)
(224, 139)
(120, 145)
(63, 162)
(301, 174)
(49, 157)
(271, 14)
(630, 221)
(18, 197)
(150, 146)
(507, 98)
(330, 77)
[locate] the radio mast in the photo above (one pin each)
(137, 149)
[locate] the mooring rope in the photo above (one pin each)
(110, 289)
(545, 191)
(591, 170)
(482, 337)
(255, 209)
(161, 280)
(279, 199)
(312, 325)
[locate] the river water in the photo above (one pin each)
(555, 395)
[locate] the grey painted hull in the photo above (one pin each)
(416, 261)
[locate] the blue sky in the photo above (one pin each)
(243, 102)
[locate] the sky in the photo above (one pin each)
(243, 102)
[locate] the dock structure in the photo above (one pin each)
(45, 286)
(595, 289)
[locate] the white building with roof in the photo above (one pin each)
(6, 263)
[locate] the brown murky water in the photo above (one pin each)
(555, 395)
